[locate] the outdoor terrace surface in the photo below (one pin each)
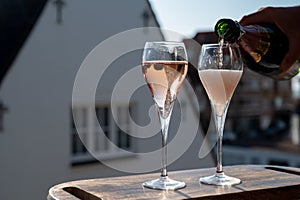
(258, 182)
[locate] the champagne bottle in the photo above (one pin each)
(263, 47)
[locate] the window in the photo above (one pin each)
(103, 137)
(3, 109)
(79, 134)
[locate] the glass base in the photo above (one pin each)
(220, 179)
(164, 183)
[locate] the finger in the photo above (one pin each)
(263, 15)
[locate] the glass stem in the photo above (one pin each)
(220, 126)
(220, 122)
(165, 116)
(164, 132)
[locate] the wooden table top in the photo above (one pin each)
(258, 182)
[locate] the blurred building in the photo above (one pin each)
(44, 44)
(258, 128)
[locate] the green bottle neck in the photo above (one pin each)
(228, 30)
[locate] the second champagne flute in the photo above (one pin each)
(164, 68)
(220, 69)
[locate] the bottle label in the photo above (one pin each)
(260, 42)
(263, 44)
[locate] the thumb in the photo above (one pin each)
(263, 15)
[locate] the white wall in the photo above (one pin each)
(35, 145)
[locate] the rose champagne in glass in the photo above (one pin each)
(164, 68)
(220, 70)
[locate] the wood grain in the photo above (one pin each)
(258, 182)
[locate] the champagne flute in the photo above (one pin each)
(220, 69)
(164, 68)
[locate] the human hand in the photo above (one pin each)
(287, 20)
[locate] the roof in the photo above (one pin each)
(17, 18)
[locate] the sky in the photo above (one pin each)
(187, 17)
